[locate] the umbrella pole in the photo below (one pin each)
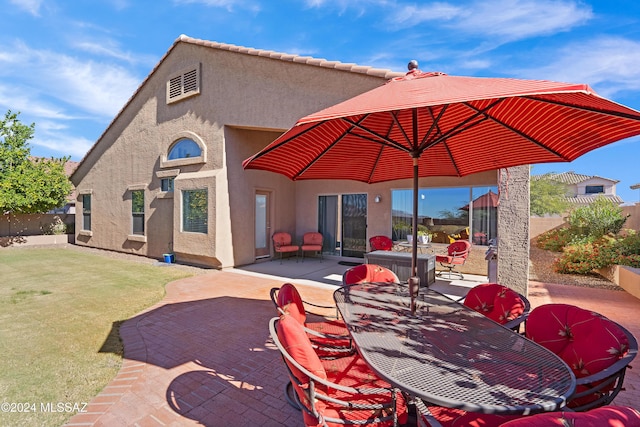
(414, 280)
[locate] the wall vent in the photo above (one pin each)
(184, 84)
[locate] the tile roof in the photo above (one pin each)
(582, 199)
(309, 60)
(569, 177)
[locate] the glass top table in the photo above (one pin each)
(449, 355)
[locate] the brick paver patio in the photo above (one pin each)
(203, 355)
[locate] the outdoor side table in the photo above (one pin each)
(449, 355)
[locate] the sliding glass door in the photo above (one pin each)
(342, 220)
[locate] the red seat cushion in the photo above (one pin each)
(295, 340)
(290, 301)
(588, 342)
(606, 416)
(495, 301)
(369, 273)
(352, 371)
(450, 417)
(381, 243)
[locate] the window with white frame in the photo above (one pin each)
(86, 212)
(183, 149)
(137, 211)
(195, 211)
(166, 184)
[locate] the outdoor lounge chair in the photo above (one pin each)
(282, 243)
(456, 256)
(597, 349)
(338, 391)
(380, 243)
(368, 273)
(499, 303)
(311, 242)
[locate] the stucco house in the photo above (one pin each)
(166, 175)
(583, 189)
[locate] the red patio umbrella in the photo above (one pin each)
(432, 124)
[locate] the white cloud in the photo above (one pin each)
(65, 144)
(229, 5)
(610, 64)
(97, 88)
(506, 19)
(31, 6)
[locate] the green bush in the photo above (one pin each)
(554, 240)
(598, 219)
(593, 240)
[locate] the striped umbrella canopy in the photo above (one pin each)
(432, 124)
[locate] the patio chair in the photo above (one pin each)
(598, 417)
(369, 273)
(282, 244)
(329, 337)
(380, 243)
(334, 392)
(597, 349)
(311, 242)
(499, 303)
(456, 256)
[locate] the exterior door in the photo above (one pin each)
(354, 225)
(263, 224)
(342, 220)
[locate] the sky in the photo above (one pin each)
(69, 66)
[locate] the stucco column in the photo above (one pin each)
(513, 228)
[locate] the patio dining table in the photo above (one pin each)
(449, 355)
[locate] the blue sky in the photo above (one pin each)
(70, 65)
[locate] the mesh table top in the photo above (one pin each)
(450, 355)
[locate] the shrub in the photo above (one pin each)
(554, 240)
(597, 219)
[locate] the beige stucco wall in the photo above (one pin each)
(238, 92)
(513, 229)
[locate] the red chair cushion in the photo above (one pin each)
(369, 273)
(290, 301)
(312, 239)
(352, 371)
(381, 243)
(585, 340)
(606, 416)
(295, 340)
(450, 417)
(495, 301)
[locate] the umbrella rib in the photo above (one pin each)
(270, 149)
(519, 132)
(316, 158)
(593, 110)
(379, 139)
(470, 122)
(434, 125)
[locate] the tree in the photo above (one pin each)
(547, 197)
(27, 184)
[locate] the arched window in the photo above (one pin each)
(184, 148)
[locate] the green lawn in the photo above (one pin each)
(57, 309)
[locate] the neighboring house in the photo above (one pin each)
(582, 190)
(70, 207)
(166, 175)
